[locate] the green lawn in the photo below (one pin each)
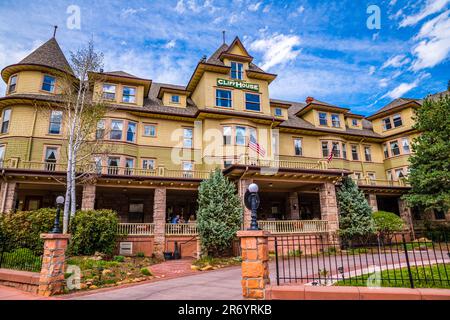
(423, 277)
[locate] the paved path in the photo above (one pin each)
(224, 284)
(7, 293)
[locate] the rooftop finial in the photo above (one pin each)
(54, 32)
(224, 36)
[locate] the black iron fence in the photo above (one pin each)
(393, 262)
(18, 258)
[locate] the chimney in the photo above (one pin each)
(309, 100)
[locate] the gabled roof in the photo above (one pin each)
(120, 74)
(314, 103)
(48, 55)
(394, 105)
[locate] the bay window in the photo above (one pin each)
(116, 130)
(131, 132)
(226, 135)
(100, 132)
(355, 155)
(385, 151)
(395, 150)
(325, 152)
(336, 150)
(240, 136)
(368, 153)
(148, 164)
(405, 144)
(344, 151)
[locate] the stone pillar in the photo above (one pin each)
(8, 196)
(294, 206)
(373, 202)
(88, 201)
(328, 207)
(243, 185)
(51, 280)
(255, 263)
(159, 219)
(405, 214)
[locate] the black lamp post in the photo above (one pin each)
(252, 203)
(56, 228)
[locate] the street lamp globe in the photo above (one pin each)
(60, 200)
(253, 188)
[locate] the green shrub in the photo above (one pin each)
(146, 272)
(22, 229)
(93, 231)
(140, 255)
(119, 258)
(387, 223)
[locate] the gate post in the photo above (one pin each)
(255, 263)
(51, 281)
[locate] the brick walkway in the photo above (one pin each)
(174, 268)
(7, 293)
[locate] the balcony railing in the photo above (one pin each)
(105, 170)
(136, 229)
(382, 183)
(285, 164)
(294, 226)
(181, 229)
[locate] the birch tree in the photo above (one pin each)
(82, 112)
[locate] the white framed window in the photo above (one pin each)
(49, 83)
(355, 155)
(237, 70)
(6, 117)
(116, 130)
(323, 121)
(2, 154)
(227, 134)
(241, 133)
(336, 149)
(129, 95)
(387, 125)
(55, 122)
(397, 119)
(131, 132)
(148, 164)
(188, 168)
(344, 151)
(129, 166)
(385, 151)
(109, 92)
(368, 153)
(278, 112)
(371, 175)
(325, 151)
(355, 122)
(188, 138)
(113, 165)
(12, 84)
(298, 148)
(399, 173)
(395, 150)
(51, 157)
(335, 121)
(100, 132)
(175, 99)
(389, 175)
(405, 145)
(149, 130)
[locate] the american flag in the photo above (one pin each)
(254, 145)
(330, 157)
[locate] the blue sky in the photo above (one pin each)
(322, 49)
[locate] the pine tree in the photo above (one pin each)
(355, 214)
(430, 165)
(219, 214)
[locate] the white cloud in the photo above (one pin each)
(434, 46)
(396, 61)
(131, 11)
(301, 9)
(277, 49)
(431, 7)
(392, 2)
(266, 9)
(180, 7)
(254, 6)
(171, 44)
(401, 89)
(372, 70)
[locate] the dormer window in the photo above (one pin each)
(175, 99)
(129, 95)
(323, 119)
(387, 124)
(49, 83)
(278, 112)
(354, 122)
(109, 92)
(12, 84)
(237, 70)
(336, 123)
(397, 119)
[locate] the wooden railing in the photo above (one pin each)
(294, 226)
(382, 183)
(105, 170)
(181, 229)
(286, 164)
(136, 229)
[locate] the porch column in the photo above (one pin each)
(88, 201)
(373, 202)
(328, 206)
(294, 206)
(405, 214)
(159, 219)
(243, 185)
(8, 196)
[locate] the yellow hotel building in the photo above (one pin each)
(167, 138)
